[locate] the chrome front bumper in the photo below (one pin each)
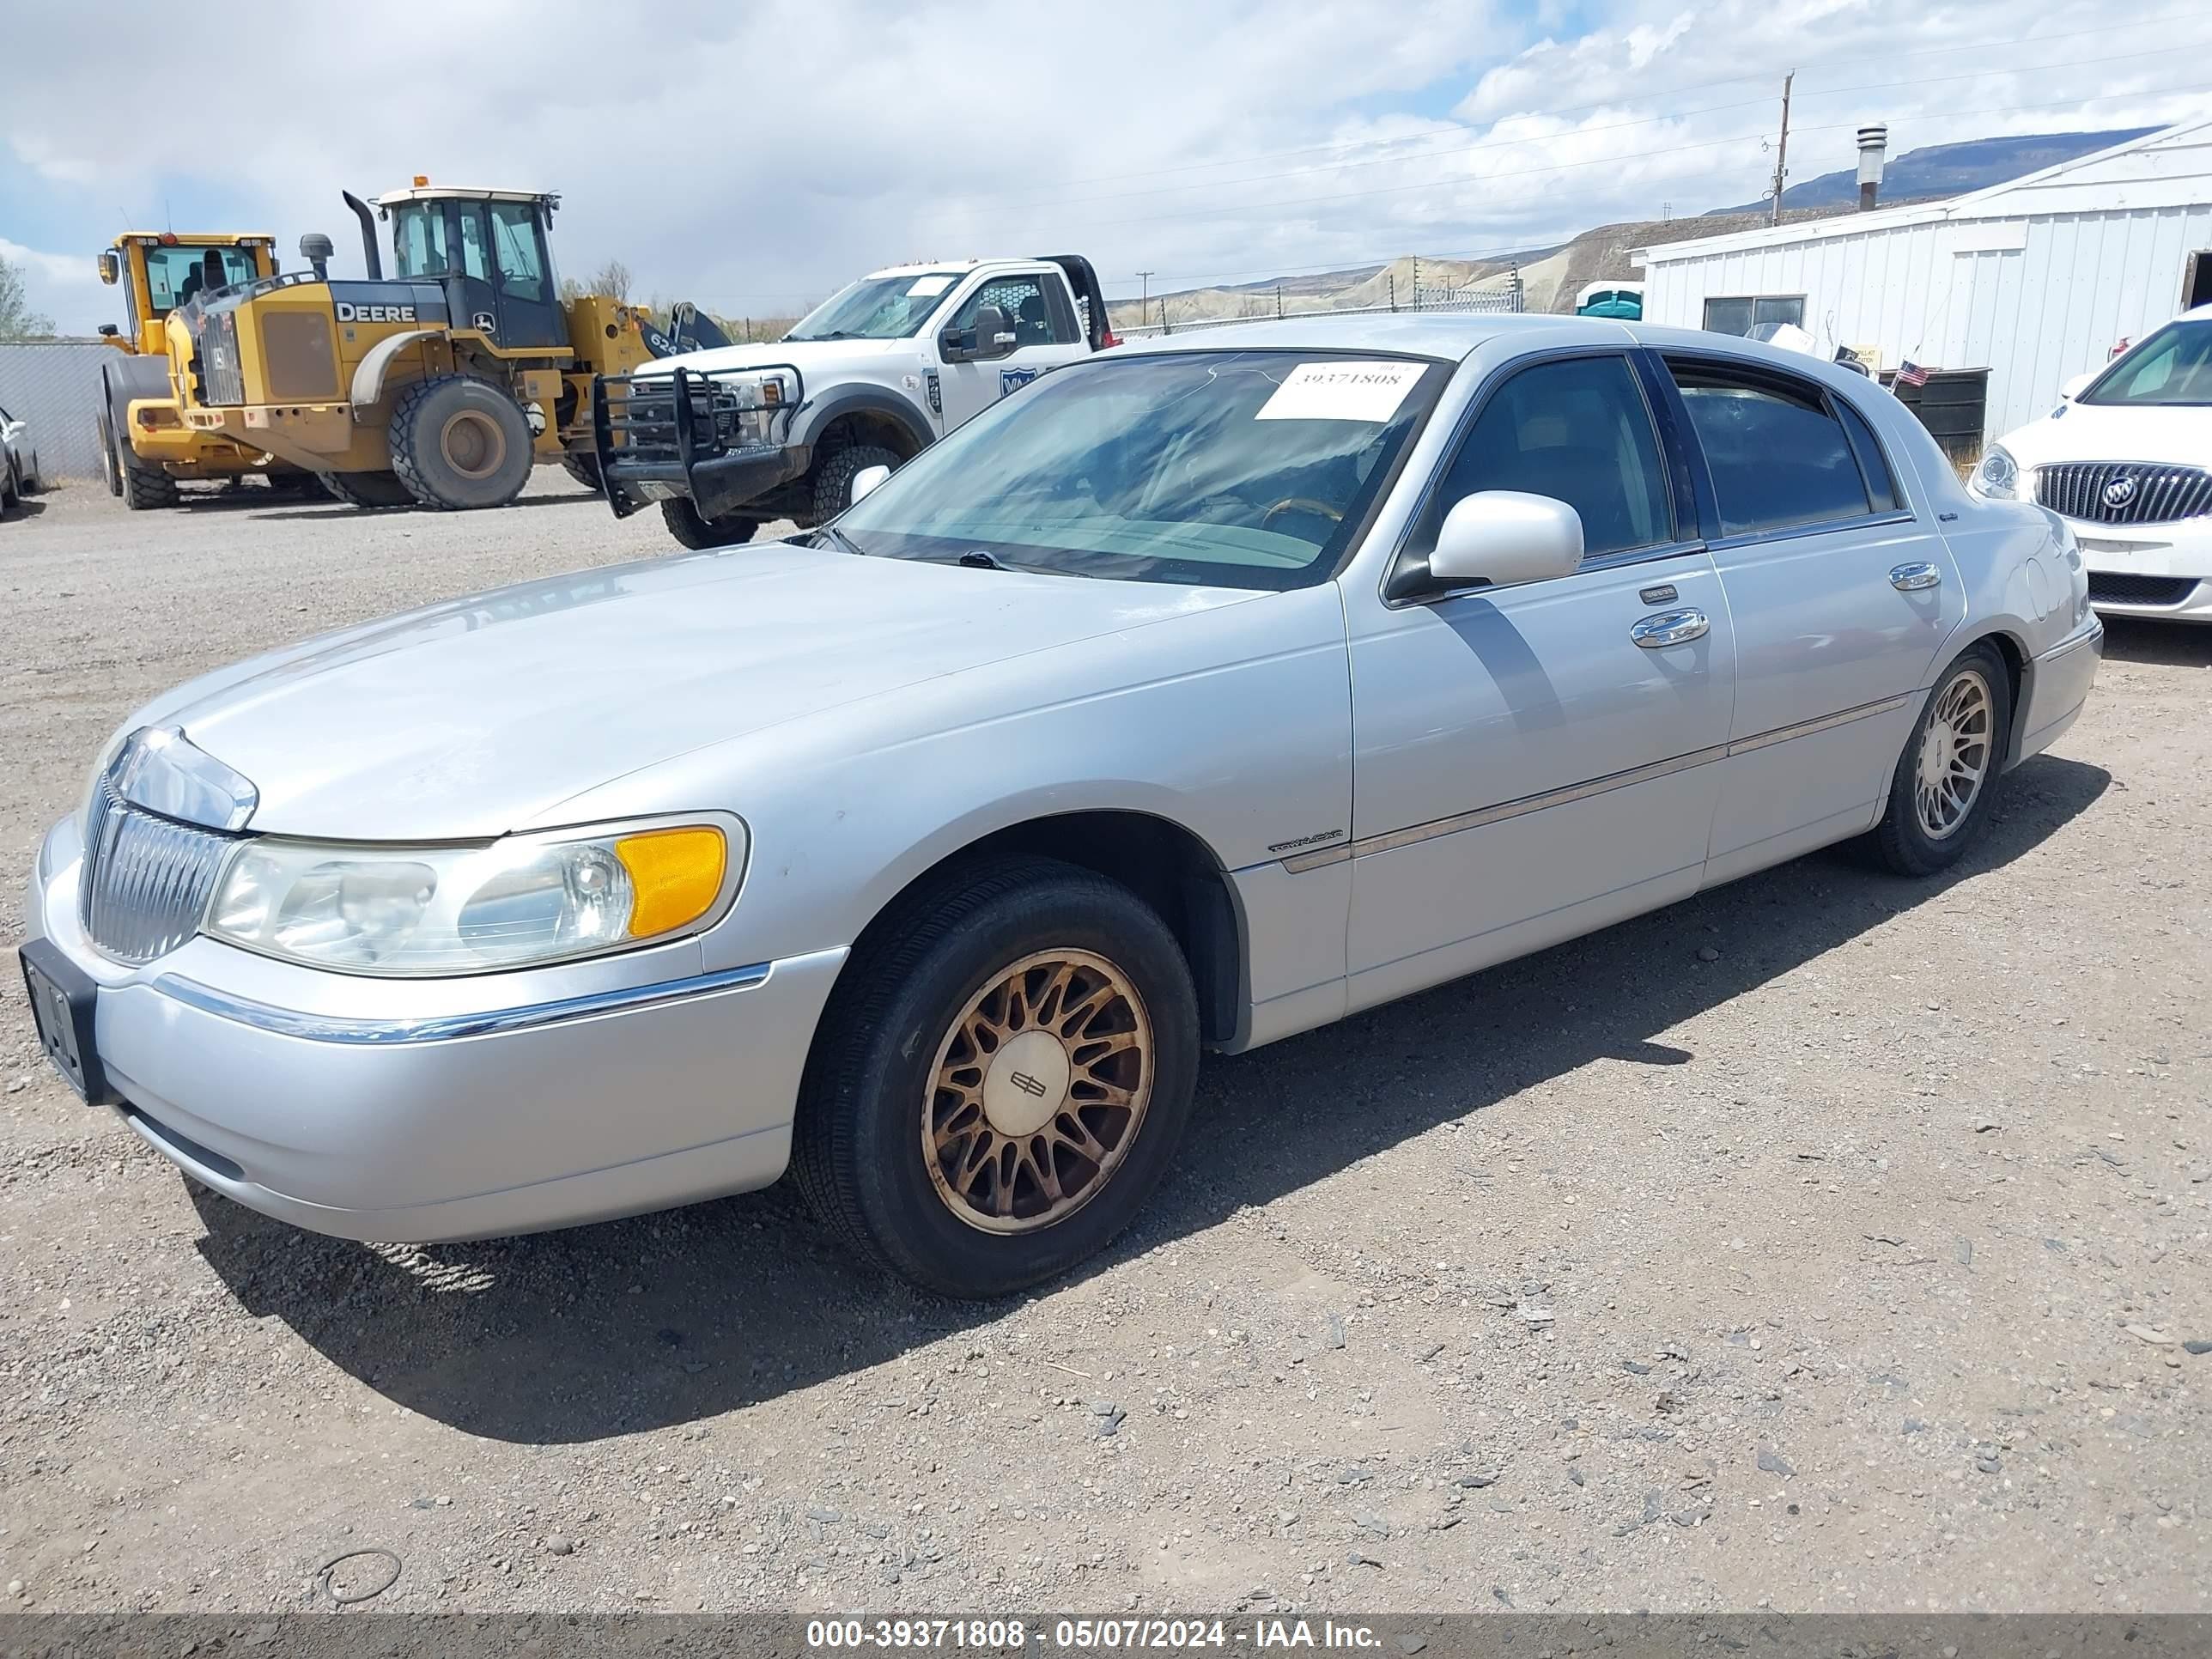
(422, 1109)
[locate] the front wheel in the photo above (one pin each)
(1943, 793)
(699, 532)
(1001, 1078)
(584, 469)
(832, 479)
(458, 442)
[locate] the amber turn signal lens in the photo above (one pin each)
(676, 875)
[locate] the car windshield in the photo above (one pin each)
(1242, 469)
(174, 275)
(2174, 365)
(876, 308)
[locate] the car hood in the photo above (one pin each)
(2111, 432)
(475, 717)
(810, 356)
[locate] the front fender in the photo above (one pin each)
(817, 417)
(369, 374)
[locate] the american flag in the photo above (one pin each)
(1910, 374)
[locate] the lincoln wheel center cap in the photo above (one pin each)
(1026, 1085)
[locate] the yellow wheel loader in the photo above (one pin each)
(441, 384)
(145, 445)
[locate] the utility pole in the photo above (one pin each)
(1781, 150)
(1145, 292)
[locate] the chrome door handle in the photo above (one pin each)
(1670, 627)
(1911, 577)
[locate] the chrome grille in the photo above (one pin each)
(2151, 492)
(146, 878)
(222, 379)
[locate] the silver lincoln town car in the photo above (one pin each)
(1199, 694)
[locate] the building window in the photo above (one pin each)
(1741, 314)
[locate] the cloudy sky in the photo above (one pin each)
(753, 157)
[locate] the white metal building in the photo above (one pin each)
(2035, 280)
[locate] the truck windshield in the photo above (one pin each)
(174, 275)
(1231, 468)
(418, 239)
(876, 308)
(2174, 366)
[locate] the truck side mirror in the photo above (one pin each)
(986, 337)
(108, 331)
(111, 267)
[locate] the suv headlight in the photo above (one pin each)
(362, 908)
(1996, 475)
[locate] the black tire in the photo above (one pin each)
(1903, 841)
(366, 489)
(832, 479)
(584, 469)
(143, 486)
(699, 532)
(297, 486)
(109, 467)
(458, 442)
(857, 1152)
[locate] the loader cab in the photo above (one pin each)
(491, 252)
(159, 270)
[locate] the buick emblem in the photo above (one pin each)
(2119, 492)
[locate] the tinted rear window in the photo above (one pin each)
(1778, 458)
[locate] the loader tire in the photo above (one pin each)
(698, 532)
(142, 486)
(458, 442)
(110, 469)
(366, 490)
(584, 469)
(832, 479)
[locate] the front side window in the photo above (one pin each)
(174, 275)
(418, 239)
(474, 263)
(1240, 469)
(2172, 366)
(514, 237)
(1580, 432)
(877, 308)
(1028, 310)
(1739, 314)
(1777, 455)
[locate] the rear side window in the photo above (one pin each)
(1882, 486)
(1778, 454)
(1578, 430)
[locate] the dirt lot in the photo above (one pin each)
(1826, 1242)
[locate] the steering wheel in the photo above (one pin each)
(1301, 504)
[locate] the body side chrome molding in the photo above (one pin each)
(1390, 840)
(446, 1027)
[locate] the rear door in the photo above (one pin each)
(1841, 591)
(1041, 312)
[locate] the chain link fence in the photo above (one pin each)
(55, 385)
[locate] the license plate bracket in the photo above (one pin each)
(63, 1001)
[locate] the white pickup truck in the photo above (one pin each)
(728, 438)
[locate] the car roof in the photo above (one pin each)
(1450, 335)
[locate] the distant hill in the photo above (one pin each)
(1948, 169)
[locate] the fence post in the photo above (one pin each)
(1279, 299)
(1394, 290)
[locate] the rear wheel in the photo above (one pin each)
(458, 442)
(109, 468)
(698, 532)
(144, 486)
(833, 480)
(1943, 790)
(584, 469)
(1001, 1078)
(367, 488)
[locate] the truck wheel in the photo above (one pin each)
(459, 441)
(1001, 1077)
(108, 468)
(584, 469)
(699, 532)
(145, 486)
(832, 479)
(367, 488)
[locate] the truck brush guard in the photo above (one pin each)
(682, 435)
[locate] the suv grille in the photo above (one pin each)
(2114, 589)
(2147, 493)
(222, 379)
(146, 878)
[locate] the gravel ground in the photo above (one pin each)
(1826, 1242)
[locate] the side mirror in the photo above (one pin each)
(108, 331)
(867, 479)
(111, 267)
(2074, 387)
(1502, 536)
(989, 335)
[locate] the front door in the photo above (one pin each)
(1046, 333)
(1534, 761)
(1843, 593)
(501, 282)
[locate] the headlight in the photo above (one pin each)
(440, 910)
(1997, 475)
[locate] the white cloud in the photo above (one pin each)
(752, 158)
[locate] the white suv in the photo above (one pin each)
(2126, 460)
(729, 437)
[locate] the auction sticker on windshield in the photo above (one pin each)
(1341, 392)
(928, 288)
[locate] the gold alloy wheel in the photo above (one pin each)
(1038, 1091)
(1954, 755)
(472, 443)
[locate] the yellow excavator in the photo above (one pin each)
(145, 445)
(441, 384)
